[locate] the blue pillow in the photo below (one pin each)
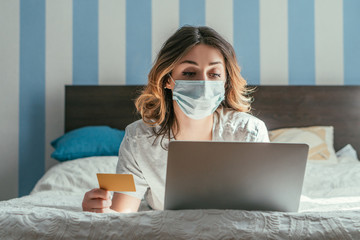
(87, 142)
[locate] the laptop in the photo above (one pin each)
(235, 175)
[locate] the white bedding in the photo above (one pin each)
(329, 209)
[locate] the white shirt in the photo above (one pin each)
(147, 161)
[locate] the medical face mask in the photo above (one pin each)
(198, 98)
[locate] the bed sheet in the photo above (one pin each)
(329, 209)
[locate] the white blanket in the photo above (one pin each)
(329, 209)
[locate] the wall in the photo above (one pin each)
(46, 44)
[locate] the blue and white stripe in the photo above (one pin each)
(59, 69)
(31, 94)
(219, 15)
(165, 20)
(112, 44)
(9, 98)
(273, 42)
(138, 41)
(247, 38)
(301, 37)
(329, 47)
(46, 44)
(192, 12)
(351, 16)
(85, 42)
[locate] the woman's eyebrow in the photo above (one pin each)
(214, 63)
(195, 63)
(190, 62)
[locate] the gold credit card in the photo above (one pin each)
(116, 182)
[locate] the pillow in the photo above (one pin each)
(87, 142)
(76, 176)
(347, 154)
(319, 138)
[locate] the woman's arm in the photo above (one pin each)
(125, 203)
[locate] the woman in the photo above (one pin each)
(194, 92)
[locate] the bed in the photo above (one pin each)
(330, 201)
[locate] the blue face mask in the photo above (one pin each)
(198, 98)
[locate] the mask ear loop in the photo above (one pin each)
(171, 78)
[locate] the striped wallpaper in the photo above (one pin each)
(46, 44)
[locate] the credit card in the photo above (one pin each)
(116, 182)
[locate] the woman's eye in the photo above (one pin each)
(188, 74)
(215, 75)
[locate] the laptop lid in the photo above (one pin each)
(235, 175)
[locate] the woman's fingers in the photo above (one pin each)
(98, 193)
(90, 204)
(99, 203)
(96, 199)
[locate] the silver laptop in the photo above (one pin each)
(235, 175)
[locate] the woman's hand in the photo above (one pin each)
(97, 200)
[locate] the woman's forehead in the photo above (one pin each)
(203, 54)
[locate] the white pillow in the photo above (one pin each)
(319, 138)
(347, 154)
(78, 175)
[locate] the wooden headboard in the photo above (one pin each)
(277, 106)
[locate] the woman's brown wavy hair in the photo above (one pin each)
(155, 103)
